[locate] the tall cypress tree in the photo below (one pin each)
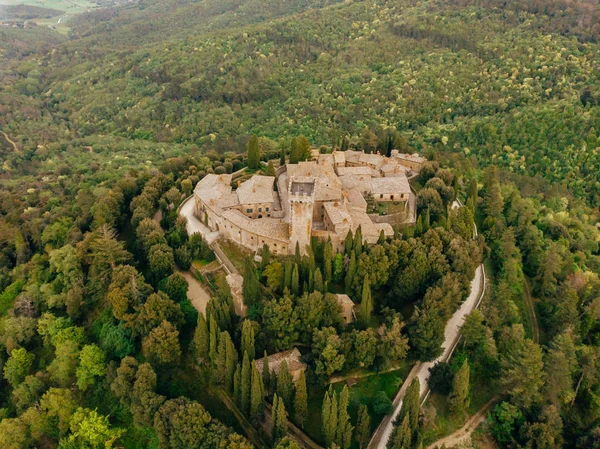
(297, 256)
(349, 280)
(257, 395)
(226, 360)
(318, 287)
(459, 397)
(333, 417)
(294, 152)
(304, 148)
(253, 153)
(246, 384)
(411, 405)
(301, 400)
(279, 419)
(282, 157)
(363, 427)
(344, 428)
(358, 242)
(287, 275)
(266, 374)
(381, 239)
(285, 385)
(295, 281)
(201, 340)
(237, 385)
(348, 242)
(328, 434)
(250, 287)
(213, 340)
(366, 303)
(401, 437)
(328, 260)
(248, 339)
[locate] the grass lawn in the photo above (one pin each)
(445, 421)
(362, 392)
(235, 253)
(199, 263)
(387, 207)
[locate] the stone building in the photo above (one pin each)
(291, 357)
(325, 198)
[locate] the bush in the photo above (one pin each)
(440, 378)
(382, 405)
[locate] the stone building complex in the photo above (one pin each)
(325, 198)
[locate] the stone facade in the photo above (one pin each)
(323, 198)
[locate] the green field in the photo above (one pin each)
(67, 9)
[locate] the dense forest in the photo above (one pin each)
(104, 132)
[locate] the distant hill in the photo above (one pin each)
(27, 12)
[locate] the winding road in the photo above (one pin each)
(421, 370)
(14, 145)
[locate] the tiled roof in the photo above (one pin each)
(337, 213)
(258, 189)
(292, 358)
(411, 157)
(213, 188)
(265, 227)
(361, 170)
(390, 185)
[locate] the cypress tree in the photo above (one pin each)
(419, 225)
(297, 256)
(401, 437)
(427, 221)
(318, 287)
(282, 157)
(250, 287)
(459, 398)
(326, 419)
(363, 427)
(237, 380)
(303, 148)
(279, 419)
(344, 428)
(358, 242)
(348, 281)
(295, 281)
(366, 303)
(213, 340)
(246, 384)
(348, 242)
(266, 374)
(301, 400)
(253, 153)
(201, 340)
(294, 152)
(257, 395)
(231, 359)
(333, 417)
(411, 406)
(287, 275)
(311, 282)
(328, 260)
(270, 169)
(345, 144)
(226, 360)
(381, 239)
(248, 339)
(285, 385)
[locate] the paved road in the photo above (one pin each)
(421, 370)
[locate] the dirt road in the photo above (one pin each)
(14, 145)
(196, 293)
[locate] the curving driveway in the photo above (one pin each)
(421, 370)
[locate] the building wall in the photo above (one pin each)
(391, 197)
(301, 211)
(257, 210)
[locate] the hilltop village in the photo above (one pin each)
(325, 197)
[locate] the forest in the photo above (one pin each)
(106, 131)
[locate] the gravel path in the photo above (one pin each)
(196, 293)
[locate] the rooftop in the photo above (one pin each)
(390, 185)
(411, 157)
(291, 357)
(213, 187)
(265, 227)
(258, 189)
(302, 187)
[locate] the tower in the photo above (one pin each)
(301, 195)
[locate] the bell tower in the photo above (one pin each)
(301, 196)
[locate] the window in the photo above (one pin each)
(392, 197)
(249, 211)
(260, 209)
(381, 196)
(267, 209)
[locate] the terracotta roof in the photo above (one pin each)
(258, 189)
(390, 185)
(292, 358)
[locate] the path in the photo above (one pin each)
(421, 370)
(196, 293)
(186, 209)
(535, 329)
(293, 432)
(463, 435)
(14, 145)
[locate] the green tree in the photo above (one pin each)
(411, 405)
(366, 304)
(327, 351)
(226, 360)
(237, 385)
(287, 443)
(181, 424)
(401, 437)
(357, 245)
(200, 342)
(18, 366)
(301, 400)
(257, 395)
(266, 372)
(91, 365)
(250, 286)
(253, 153)
(344, 428)
(274, 273)
(279, 419)
(295, 281)
(213, 340)
(362, 432)
(161, 346)
(246, 386)
(285, 385)
(248, 339)
(338, 267)
(459, 397)
(329, 417)
(295, 153)
(350, 273)
(91, 430)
